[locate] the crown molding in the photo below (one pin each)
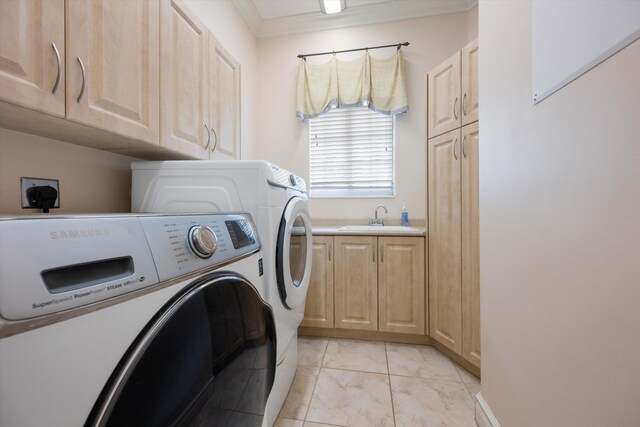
(364, 15)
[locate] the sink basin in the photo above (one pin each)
(379, 228)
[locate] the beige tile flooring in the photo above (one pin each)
(365, 383)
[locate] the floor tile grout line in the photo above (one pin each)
(393, 408)
(316, 382)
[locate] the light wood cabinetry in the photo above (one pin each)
(453, 92)
(112, 67)
(469, 103)
(356, 283)
(318, 310)
(452, 183)
(224, 107)
(137, 77)
(444, 96)
(445, 264)
(184, 83)
(470, 245)
(454, 273)
(401, 285)
(32, 54)
(368, 283)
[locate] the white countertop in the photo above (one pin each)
(367, 230)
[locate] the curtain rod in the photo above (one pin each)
(398, 45)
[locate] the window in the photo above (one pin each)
(351, 154)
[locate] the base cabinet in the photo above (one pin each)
(356, 283)
(318, 310)
(376, 284)
(401, 285)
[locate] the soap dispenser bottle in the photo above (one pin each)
(405, 217)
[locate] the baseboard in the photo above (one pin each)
(484, 415)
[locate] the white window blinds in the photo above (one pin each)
(351, 154)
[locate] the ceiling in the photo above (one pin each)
(268, 18)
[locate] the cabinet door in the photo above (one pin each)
(401, 284)
(30, 65)
(224, 78)
(318, 310)
(470, 83)
(113, 68)
(356, 288)
(184, 116)
(470, 246)
(445, 267)
(444, 96)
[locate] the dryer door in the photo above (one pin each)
(293, 253)
(208, 358)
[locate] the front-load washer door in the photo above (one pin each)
(207, 358)
(293, 253)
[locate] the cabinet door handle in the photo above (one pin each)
(381, 255)
(330, 249)
(215, 140)
(59, 62)
(464, 111)
(453, 148)
(208, 136)
(464, 152)
(373, 253)
(84, 79)
(454, 108)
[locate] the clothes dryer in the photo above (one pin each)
(133, 320)
(278, 201)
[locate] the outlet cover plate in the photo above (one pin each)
(26, 183)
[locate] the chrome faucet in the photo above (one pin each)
(377, 221)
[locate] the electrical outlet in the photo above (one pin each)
(26, 183)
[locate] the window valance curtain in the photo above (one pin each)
(374, 83)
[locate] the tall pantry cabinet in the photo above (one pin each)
(452, 183)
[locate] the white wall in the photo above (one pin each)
(229, 28)
(91, 181)
(560, 235)
(284, 140)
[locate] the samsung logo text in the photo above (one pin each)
(82, 233)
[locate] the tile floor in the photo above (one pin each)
(364, 383)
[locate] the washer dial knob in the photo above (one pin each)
(203, 241)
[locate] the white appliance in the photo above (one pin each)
(277, 199)
(141, 320)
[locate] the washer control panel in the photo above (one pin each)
(183, 244)
(54, 263)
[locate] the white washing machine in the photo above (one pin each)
(141, 320)
(277, 199)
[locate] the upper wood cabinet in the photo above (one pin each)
(184, 83)
(138, 77)
(318, 310)
(452, 99)
(32, 54)
(356, 283)
(469, 104)
(401, 285)
(445, 263)
(224, 105)
(112, 67)
(444, 96)
(470, 245)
